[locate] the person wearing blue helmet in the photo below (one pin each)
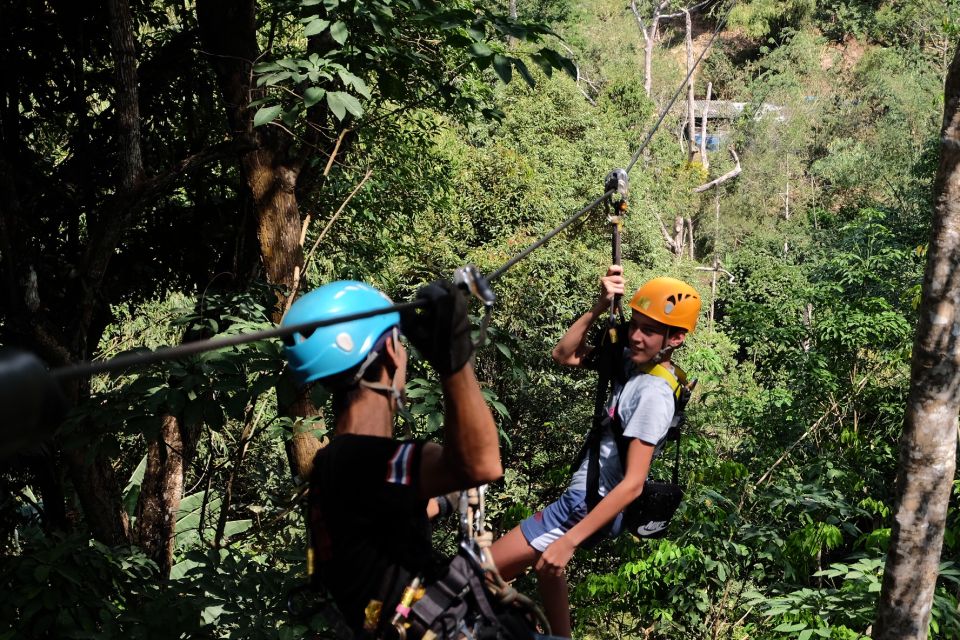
(369, 493)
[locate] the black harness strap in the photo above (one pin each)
(611, 368)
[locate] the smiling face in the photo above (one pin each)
(647, 337)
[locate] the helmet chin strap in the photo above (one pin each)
(390, 390)
(665, 350)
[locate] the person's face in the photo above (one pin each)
(646, 338)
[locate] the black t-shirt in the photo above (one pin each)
(367, 518)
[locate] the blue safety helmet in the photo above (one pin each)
(337, 348)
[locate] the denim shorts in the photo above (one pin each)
(545, 526)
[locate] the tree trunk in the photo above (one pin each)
(160, 495)
(99, 495)
(704, 160)
(678, 235)
(91, 471)
(649, 39)
(270, 174)
(929, 442)
(691, 111)
(128, 106)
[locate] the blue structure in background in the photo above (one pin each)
(714, 141)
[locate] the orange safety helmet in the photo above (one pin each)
(668, 300)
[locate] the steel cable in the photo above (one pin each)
(142, 358)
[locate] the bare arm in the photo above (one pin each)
(470, 455)
(639, 457)
(572, 349)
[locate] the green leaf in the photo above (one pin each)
(353, 81)
(212, 613)
(524, 72)
(264, 67)
(310, 3)
(480, 50)
(315, 26)
(791, 626)
(312, 96)
(339, 32)
(266, 114)
(131, 493)
(544, 64)
(340, 102)
(501, 64)
(233, 527)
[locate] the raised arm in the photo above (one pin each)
(572, 349)
(470, 454)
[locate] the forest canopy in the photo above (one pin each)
(176, 171)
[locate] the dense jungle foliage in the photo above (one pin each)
(465, 134)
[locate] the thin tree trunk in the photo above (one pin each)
(678, 235)
(713, 290)
(729, 175)
(649, 39)
(691, 124)
(91, 472)
(928, 446)
(160, 495)
(704, 160)
(128, 106)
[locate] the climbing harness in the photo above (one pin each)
(470, 600)
(472, 597)
(649, 515)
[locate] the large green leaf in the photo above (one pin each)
(340, 102)
(315, 26)
(339, 32)
(266, 114)
(501, 64)
(131, 493)
(312, 96)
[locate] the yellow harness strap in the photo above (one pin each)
(676, 381)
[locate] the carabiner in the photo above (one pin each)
(470, 279)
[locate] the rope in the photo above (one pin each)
(124, 362)
(676, 94)
(142, 358)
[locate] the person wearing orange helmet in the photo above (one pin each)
(642, 405)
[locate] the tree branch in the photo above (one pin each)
(729, 175)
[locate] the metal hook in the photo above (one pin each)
(470, 279)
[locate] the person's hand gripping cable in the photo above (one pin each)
(440, 330)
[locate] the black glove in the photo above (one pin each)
(440, 330)
(31, 405)
(448, 503)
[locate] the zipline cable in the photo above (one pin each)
(676, 94)
(546, 237)
(123, 362)
(141, 358)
